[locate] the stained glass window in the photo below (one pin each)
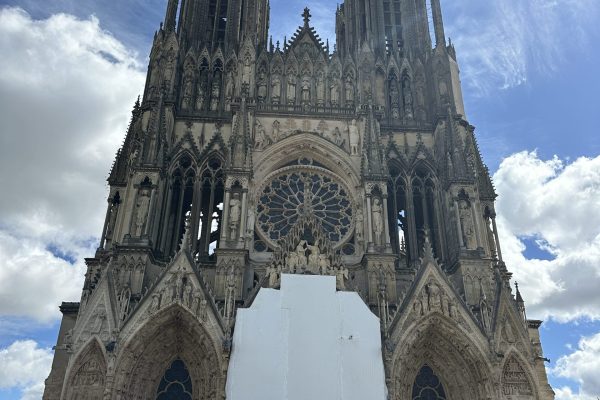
(428, 386)
(176, 383)
(294, 193)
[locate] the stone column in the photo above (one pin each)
(458, 227)
(243, 216)
(386, 224)
(369, 221)
(225, 220)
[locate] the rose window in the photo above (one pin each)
(294, 193)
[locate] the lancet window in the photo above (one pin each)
(413, 212)
(208, 208)
(179, 203)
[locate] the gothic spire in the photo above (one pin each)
(171, 15)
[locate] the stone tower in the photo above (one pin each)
(246, 159)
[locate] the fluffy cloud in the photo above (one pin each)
(67, 88)
(557, 205)
(581, 366)
(511, 39)
(23, 364)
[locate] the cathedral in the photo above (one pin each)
(248, 158)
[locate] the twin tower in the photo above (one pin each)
(246, 159)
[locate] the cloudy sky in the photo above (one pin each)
(70, 71)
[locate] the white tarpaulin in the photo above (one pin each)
(306, 341)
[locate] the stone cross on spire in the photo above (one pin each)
(306, 15)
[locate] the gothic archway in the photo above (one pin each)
(516, 380)
(456, 359)
(428, 386)
(172, 334)
(88, 374)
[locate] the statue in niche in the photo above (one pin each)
(200, 95)
(276, 136)
(178, 286)
(394, 98)
(273, 275)
(466, 224)
(334, 93)
(141, 212)
(420, 97)
(260, 140)
(349, 90)
(170, 67)
(313, 258)
(250, 221)
(408, 99)
(377, 213)
(305, 90)
(419, 305)
(276, 88)
(187, 95)
(354, 138)
(262, 87)
(320, 88)
(99, 322)
(230, 86)
(203, 307)
(247, 71)
(234, 215)
(215, 94)
(360, 220)
(291, 89)
(341, 274)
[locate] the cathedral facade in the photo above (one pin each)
(247, 159)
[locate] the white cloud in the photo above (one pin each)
(24, 365)
(501, 43)
(557, 204)
(67, 88)
(581, 366)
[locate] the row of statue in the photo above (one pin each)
(349, 141)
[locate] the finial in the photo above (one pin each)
(306, 15)
(427, 249)
(519, 297)
(185, 241)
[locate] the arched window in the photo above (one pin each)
(176, 383)
(428, 386)
(179, 203)
(208, 209)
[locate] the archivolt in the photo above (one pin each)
(87, 374)
(456, 359)
(173, 333)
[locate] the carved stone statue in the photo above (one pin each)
(141, 212)
(215, 94)
(337, 137)
(276, 133)
(276, 88)
(466, 224)
(291, 89)
(301, 254)
(187, 294)
(305, 90)
(260, 140)
(354, 138)
(349, 87)
(323, 264)
(320, 88)
(201, 95)
(334, 93)
(360, 220)
(187, 95)
(434, 300)
(377, 213)
(247, 71)
(408, 99)
(235, 206)
(313, 258)
(230, 86)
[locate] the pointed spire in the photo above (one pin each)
(427, 248)
(186, 242)
(438, 23)
(519, 297)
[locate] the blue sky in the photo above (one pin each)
(530, 82)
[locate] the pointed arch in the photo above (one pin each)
(171, 334)
(516, 379)
(457, 358)
(88, 373)
(207, 212)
